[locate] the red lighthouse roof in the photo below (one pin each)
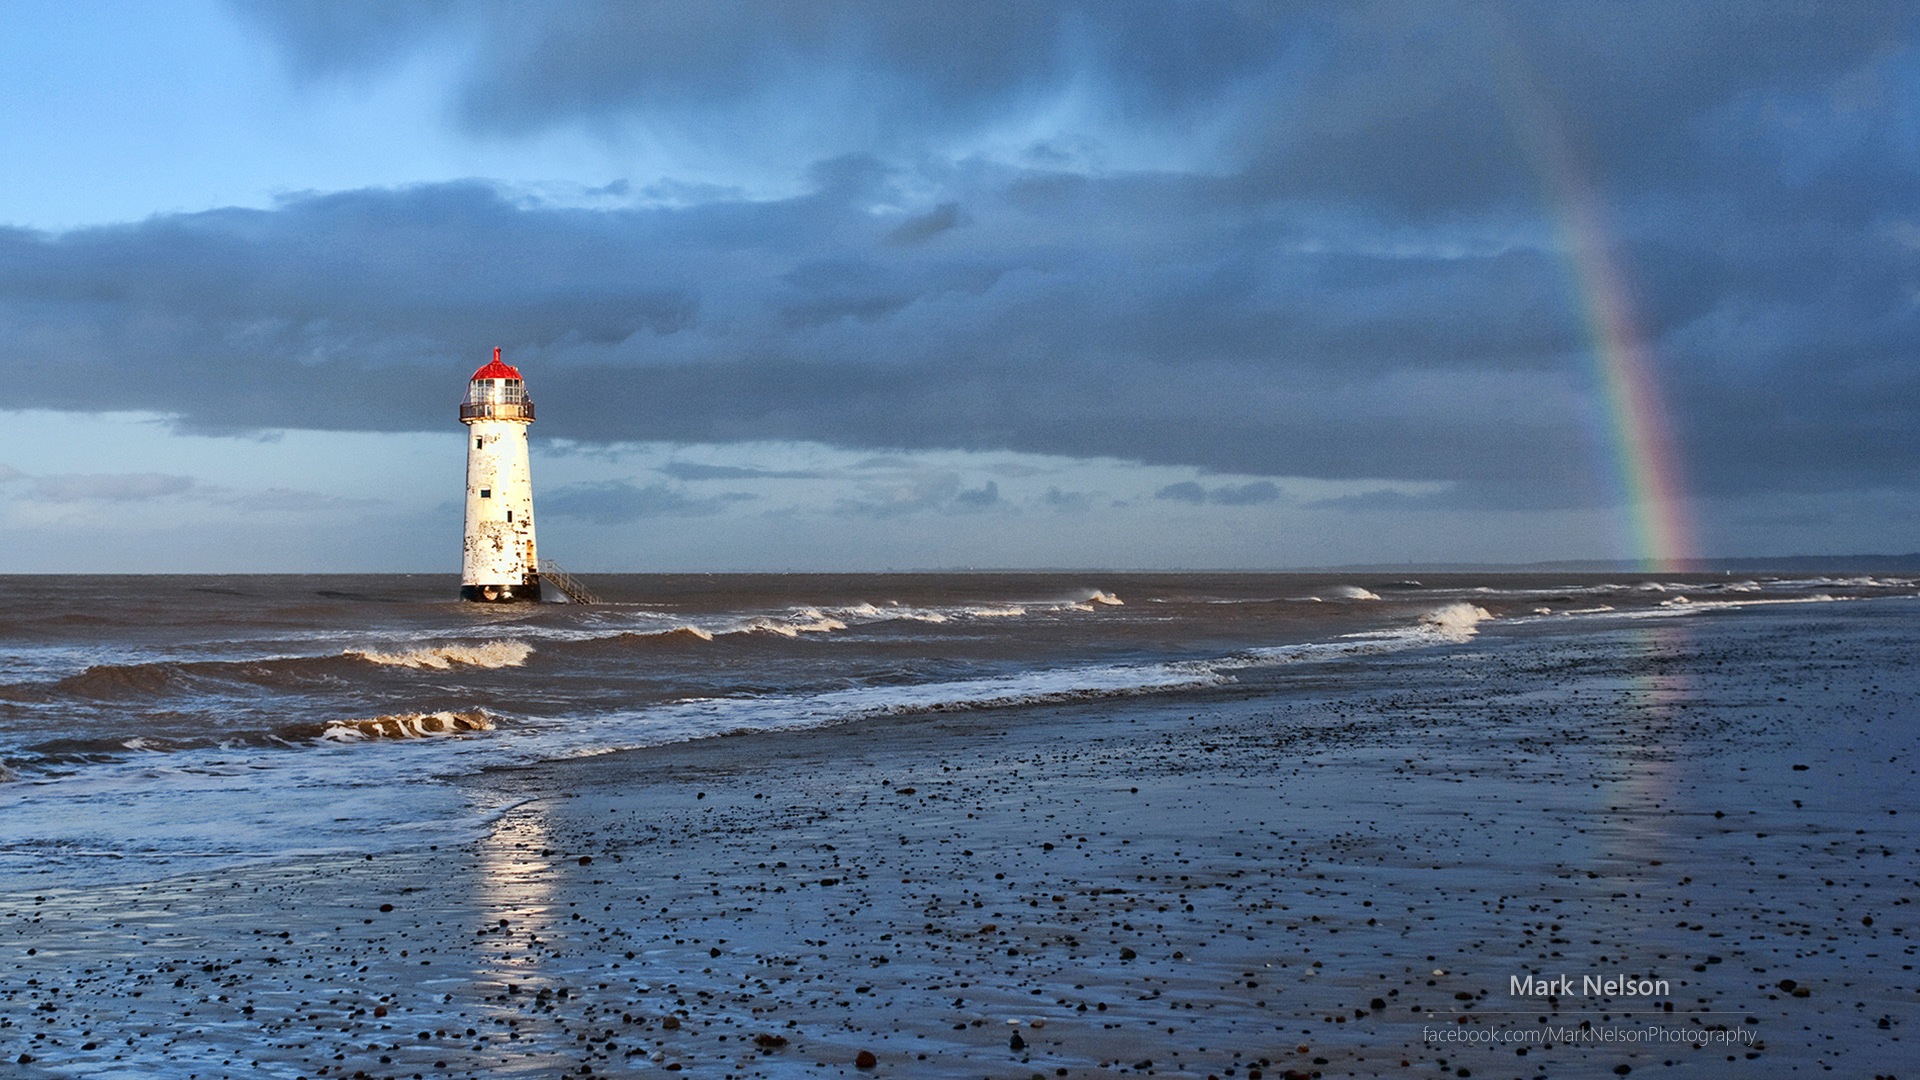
(496, 369)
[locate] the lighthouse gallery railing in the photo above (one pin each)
(497, 410)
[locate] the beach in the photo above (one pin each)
(1005, 540)
(1333, 869)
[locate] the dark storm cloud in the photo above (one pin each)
(1361, 276)
(1190, 339)
(1423, 107)
(889, 69)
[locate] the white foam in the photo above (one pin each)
(808, 621)
(485, 654)
(892, 610)
(1070, 684)
(866, 612)
(1353, 592)
(1362, 644)
(1683, 606)
(1457, 621)
(246, 801)
(1452, 623)
(407, 726)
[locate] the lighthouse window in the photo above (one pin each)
(509, 515)
(476, 444)
(486, 493)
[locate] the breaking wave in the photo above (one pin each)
(485, 654)
(809, 621)
(407, 726)
(1457, 621)
(868, 612)
(679, 635)
(253, 743)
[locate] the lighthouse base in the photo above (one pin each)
(524, 593)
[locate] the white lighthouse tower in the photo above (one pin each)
(499, 564)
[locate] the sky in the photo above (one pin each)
(886, 284)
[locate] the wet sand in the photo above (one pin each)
(1332, 870)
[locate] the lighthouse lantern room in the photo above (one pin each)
(499, 564)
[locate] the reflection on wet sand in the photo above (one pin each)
(1304, 871)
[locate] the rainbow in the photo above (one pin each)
(1643, 464)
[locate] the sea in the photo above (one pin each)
(153, 725)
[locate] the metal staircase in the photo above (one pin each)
(566, 583)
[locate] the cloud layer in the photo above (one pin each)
(1286, 240)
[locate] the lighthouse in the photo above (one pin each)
(498, 564)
